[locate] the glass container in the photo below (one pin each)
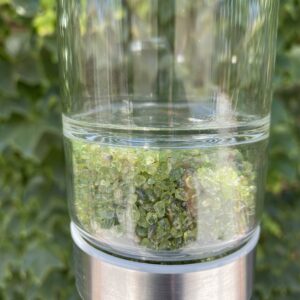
(166, 111)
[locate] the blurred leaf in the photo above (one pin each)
(23, 136)
(272, 226)
(45, 23)
(7, 82)
(18, 43)
(29, 70)
(34, 262)
(10, 106)
(6, 260)
(26, 8)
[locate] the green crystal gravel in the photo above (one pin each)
(163, 199)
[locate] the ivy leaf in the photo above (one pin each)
(11, 106)
(4, 1)
(7, 80)
(6, 261)
(294, 65)
(29, 70)
(17, 43)
(45, 23)
(40, 261)
(55, 283)
(26, 8)
(23, 136)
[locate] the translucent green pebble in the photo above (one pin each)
(163, 199)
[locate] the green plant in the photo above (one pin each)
(35, 245)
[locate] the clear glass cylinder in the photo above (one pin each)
(166, 109)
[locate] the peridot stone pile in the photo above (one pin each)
(163, 199)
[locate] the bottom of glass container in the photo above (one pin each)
(193, 254)
(103, 276)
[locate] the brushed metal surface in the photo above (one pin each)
(100, 276)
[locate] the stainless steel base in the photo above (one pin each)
(100, 276)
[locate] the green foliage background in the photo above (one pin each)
(35, 244)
